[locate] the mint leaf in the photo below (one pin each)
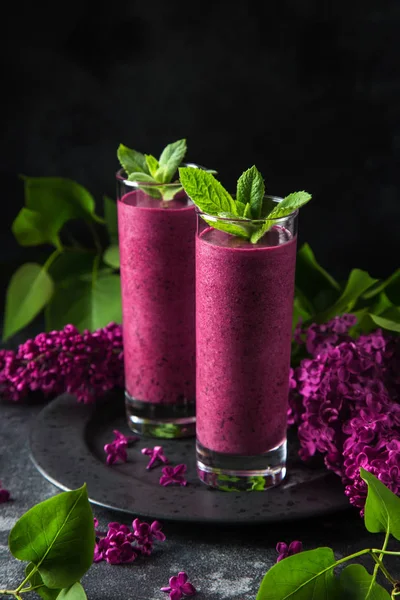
(28, 292)
(57, 536)
(251, 190)
(138, 176)
(357, 584)
(382, 507)
(289, 204)
(131, 160)
(228, 227)
(257, 235)
(241, 208)
(152, 164)
(247, 211)
(170, 159)
(206, 192)
(169, 192)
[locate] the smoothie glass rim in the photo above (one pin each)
(123, 179)
(233, 219)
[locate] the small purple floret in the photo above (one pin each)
(156, 456)
(173, 475)
(179, 586)
(284, 550)
(116, 450)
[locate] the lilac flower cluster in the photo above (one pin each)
(85, 364)
(349, 412)
(122, 545)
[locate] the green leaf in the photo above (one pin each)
(85, 304)
(169, 191)
(385, 323)
(251, 190)
(357, 283)
(31, 228)
(57, 200)
(141, 177)
(259, 233)
(131, 160)
(152, 164)
(57, 536)
(391, 286)
(206, 192)
(382, 507)
(75, 592)
(301, 577)
(289, 204)
(247, 211)
(313, 281)
(35, 580)
(28, 292)
(170, 159)
(355, 583)
(111, 217)
(228, 227)
(111, 256)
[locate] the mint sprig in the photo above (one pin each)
(209, 195)
(147, 169)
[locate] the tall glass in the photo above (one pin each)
(157, 255)
(244, 304)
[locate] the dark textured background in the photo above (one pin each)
(306, 90)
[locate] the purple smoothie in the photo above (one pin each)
(157, 250)
(244, 299)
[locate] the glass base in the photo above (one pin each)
(237, 473)
(166, 421)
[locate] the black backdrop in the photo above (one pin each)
(309, 91)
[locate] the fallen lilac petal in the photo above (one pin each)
(179, 586)
(173, 475)
(175, 594)
(4, 495)
(156, 454)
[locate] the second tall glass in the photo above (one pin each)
(244, 303)
(157, 257)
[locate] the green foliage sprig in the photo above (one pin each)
(56, 538)
(311, 574)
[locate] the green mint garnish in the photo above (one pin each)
(208, 194)
(146, 169)
(250, 192)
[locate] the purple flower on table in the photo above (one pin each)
(4, 494)
(173, 475)
(179, 586)
(284, 550)
(116, 450)
(156, 456)
(145, 534)
(116, 547)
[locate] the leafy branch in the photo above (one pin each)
(56, 538)
(311, 574)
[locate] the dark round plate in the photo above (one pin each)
(67, 442)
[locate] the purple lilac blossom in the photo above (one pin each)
(349, 412)
(284, 550)
(122, 545)
(173, 475)
(179, 586)
(85, 364)
(156, 456)
(116, 450)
